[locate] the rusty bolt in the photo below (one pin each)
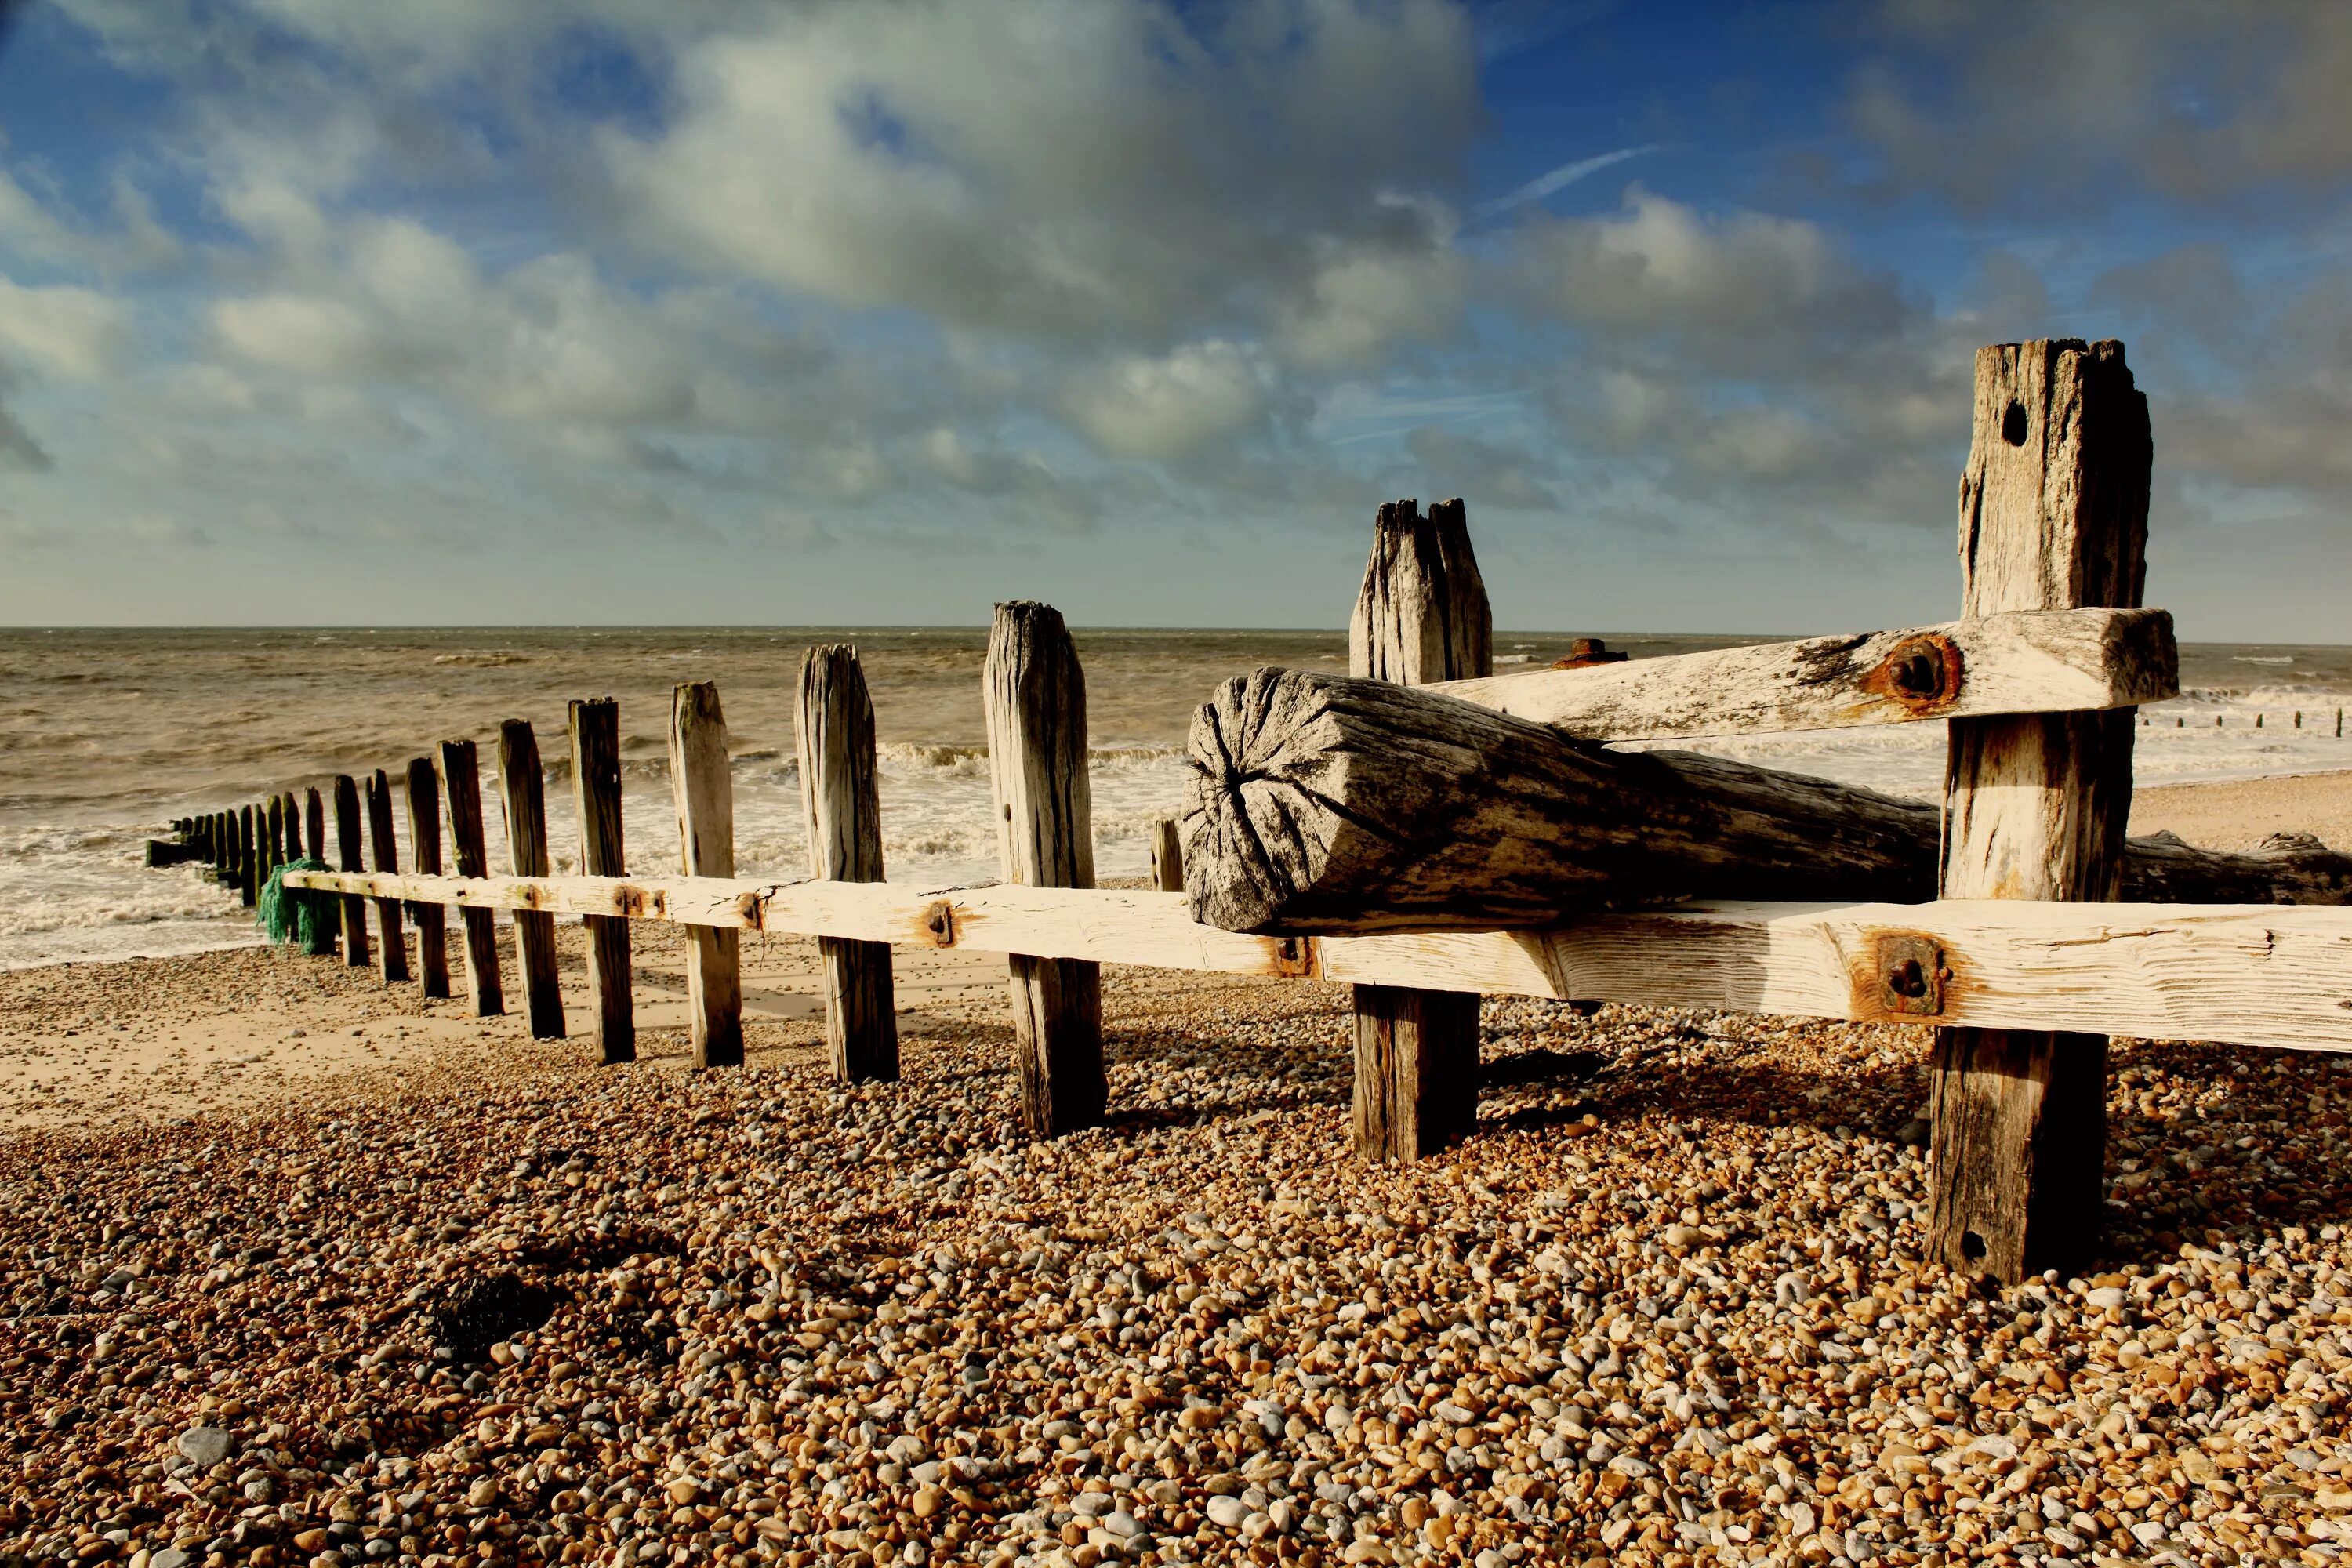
(1907, 979)
(1921, 675)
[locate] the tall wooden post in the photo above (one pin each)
(274, 838)
(2053, 515)
(1168, 855)
(704, 794)
(424, 791)
(314, 823)
(461, 782)
(596, 792)
(349, 856)
(1037, 765)
(293, 825)
(220, 846)
(1421, 616)
(248, 862)
(392, 955)
(843, 808)
(524, 790)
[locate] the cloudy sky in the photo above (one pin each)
(676, 311)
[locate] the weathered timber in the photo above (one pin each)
(704, 796)
(314, 825)
(248, 861)
(423, 793)
(461, 787)
(1036, 702)
(351, 855)
(293, 825)
(2053, 515)
(392, 950)
(165, 852)
(2027, 661)
(2256, 975)
(522, 790)
(842, 806)
(273, 838)
(1168, 855)
(596, 795)
(1421, 617)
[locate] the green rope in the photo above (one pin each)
(301, 916)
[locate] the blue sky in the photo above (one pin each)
(618, 310)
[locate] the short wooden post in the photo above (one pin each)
(2053, 515)
(1168, 855)
(424, 853)
(217, 847)
(704, 794)
(248, 858)
(314, 823)
(843, 808)
(596, 792)
(349, 856)
(293, 825)
(461, 782)
(391, 955)
(524, 790)
(1036, 713)
(1421, 615)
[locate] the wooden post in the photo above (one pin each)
(293, 825)
(248, 863)
(524, 792)
(1421, 615)
(274, 838)
(314, 823)
(843, 808)
(461, 781)
(2054, 514)
(349, 857)
(596, 792)
(704, 796)
(392, 955)
(1036, 713)
(424, 854)
(1168, 856)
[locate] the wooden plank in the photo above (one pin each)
(2258, 975)
(704, 794)
(2024, 661)
(840, 804)
(2053, 515)
(351, 854)
(424, 791)
(392, 947)
(1421, 616)
(522, 790)
(596, 726)
(1036, 712)
(1168, 855)
(461, 786)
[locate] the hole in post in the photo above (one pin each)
(1972, 1246)
(2012, 424)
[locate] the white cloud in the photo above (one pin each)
(68, 331)
(1170, 405)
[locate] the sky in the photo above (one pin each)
(676, 312)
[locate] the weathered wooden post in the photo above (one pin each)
(391, 955)
(424, 791)
(1422, 615)
(2053, 515)
(1036, 710)
(314, 823)
(248, 864)
(843, 808)
(596, 792)
(274, 838)
(293, 825)
(704, 794)
(349, 857)
(524, 791)
(1168, 856)
(461, 781)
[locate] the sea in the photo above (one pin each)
(108, 735)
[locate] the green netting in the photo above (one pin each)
(298, 915)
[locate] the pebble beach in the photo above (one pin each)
(457, 1297)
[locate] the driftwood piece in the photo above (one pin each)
(596, 793)
(1036, 713)
(423, 794)
(2021, 662)
(461, 787)
(522, 788)
(841, 805)
(392, 947)
(704, 796)
(2053, 515)
(351, 854)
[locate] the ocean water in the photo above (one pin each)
(106, 736)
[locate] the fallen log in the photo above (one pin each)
(1320, 804)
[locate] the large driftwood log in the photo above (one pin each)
(1326, 805)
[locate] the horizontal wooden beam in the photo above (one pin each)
(2256, 975)
(2028, 661)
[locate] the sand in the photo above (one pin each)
(2239, 814)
